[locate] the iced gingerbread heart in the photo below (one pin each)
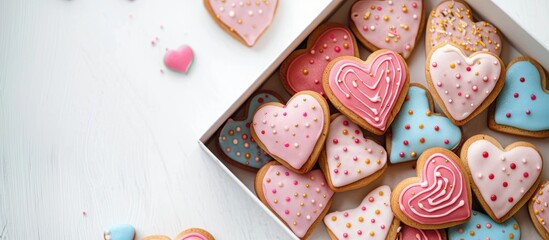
(439, 198)
(538, 207)
(245, 20)
(482, 227)
(189, 234)
(372, 219)
(294, 133)
(300, 201)
(394, 24)
(503, 178)
(463, 85)
(410, 233)
(303, 69)
(350, 161)
(369, 93)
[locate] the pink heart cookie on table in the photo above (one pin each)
(303, 69)
(372, 219)
(189, 234)
(538, 207)
(244, 20)
(395, 24)
(300, 201)
(503, 178)
(179, 60)
(463, 85)
(370, 92)
(350, 161)
(439, 197)
(293, 134)
(410, 233)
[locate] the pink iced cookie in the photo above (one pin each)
(349, 160)
(294, 133)
(410, 233)
(539, 210)
(393, 24)
(463, 85)
(179, 60)
(244, 20)
(300, 201)
(303, 69)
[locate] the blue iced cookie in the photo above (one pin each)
(417, 128)
(480, 226)
(120, 232)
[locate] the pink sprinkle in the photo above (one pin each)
(288, 199)
(475, 88)
(458, 76)
(405, 142)
(346, 172)
(162, 71)
(446, 141)
(336, 171)
(508, 115)
(434, 64)
(345, 149)
(335, 141)
(357, 140)
(382, 226)
(345, 235)
(359, 232)
(365, 28)
(437, 128)
(295, 182)
(355, 158)
(488, 225)
(337, 49)
(373, 220)
(533, 97)
(287, 174)
(414, 5)
(439, 84)
(84, 213)
(287, 212)
(345, 214)
(336, 157)
(525, 174)
(287, 145)
(528, 112)
(460, 230)
(363, 208)
(522, 79)
(516, 95)
(485, 78)
(305, 114)
(401, 154)
(274, 191)
(379, 8)
(284, 114)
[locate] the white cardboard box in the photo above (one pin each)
(338, 12)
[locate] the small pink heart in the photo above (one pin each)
(179, 60)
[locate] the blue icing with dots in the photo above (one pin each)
(235, 139)
(120, 232)
(481, 226)
(523, 103)
(416, 128)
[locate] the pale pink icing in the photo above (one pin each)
(392, 25)
(507, 176)
(193, 236)
(541, 205)
(410, 233)
(305, 71)
(441, 196)
(291, 131)
(297, 199)
(464, 87)
(350, 156)
(254, 16)
(372, 219)
(458, 27)
(371, 97)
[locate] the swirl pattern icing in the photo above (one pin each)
(410, 233)
(483, 227)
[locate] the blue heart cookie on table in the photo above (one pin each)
(235, 140)
(481, 226)
(522, 107)
(417, 128)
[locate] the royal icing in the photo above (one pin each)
(291, 131)
(503, 177)
(540, 205)
(410, 233)
(452, 22)
(523, 103)
(463, 83)
(193, 236)
(247, 19)
(416, 129)
(120, 232)
(372, 219)
(370, 90)
(392, 24)
(297, 199)
(305, 71)
(179, 60)
(483, 227)
(441, 196)
(350, 156)
(235, 139)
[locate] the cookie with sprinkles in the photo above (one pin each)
(299, 200)
(538, 207)
(482, 227)
(235, 140)
(408, 233)
(245, 20)
(417, 128)
(349, 160)
(522, 107)
(303, 69)
(189, 234)
(452, 21)
(394, 24)
(503, 179)
(372, 219)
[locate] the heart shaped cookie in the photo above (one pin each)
(503, 179)
(463, 86)
(452, 21)
(522, 106)
(235, 139)
(350, 161)
(539, 210)
(120, 232)
(439, 198)
(417, 128)
(370, 93)
(372, 219)
(189, 234)
(179, 60)
(244, 20)
(409, 233)
(482, 227)
(294, 133)
(300, 201)
(395, 24)
(303, 69)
